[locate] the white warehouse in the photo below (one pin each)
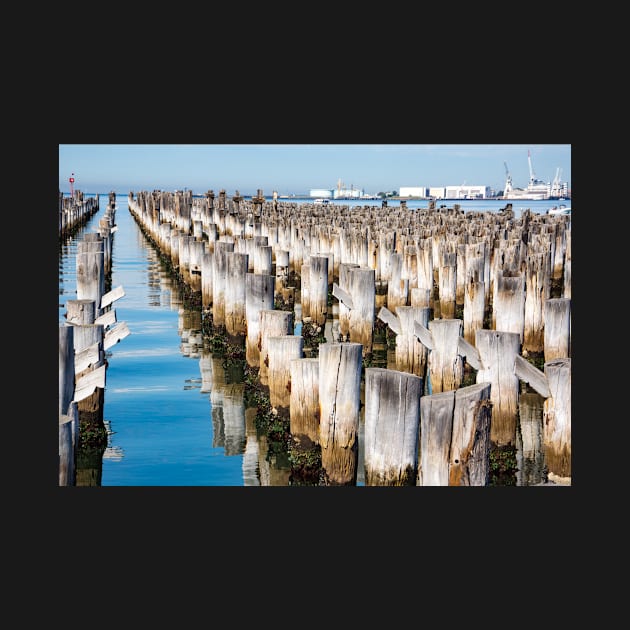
(412, 191)
(324, 193)
(467, 192)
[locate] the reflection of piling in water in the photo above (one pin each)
(392, 425)
(339, 398)
(275, 469)
(251, 456)
(228, 410)
(530, 452)
(189, 329)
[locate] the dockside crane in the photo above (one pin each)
(532, 176)
(508, 181)
(556, 187)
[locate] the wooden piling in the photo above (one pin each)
(455, 437)
(392, 427)
(235, 317)
(557, 329)
(339, 399)
(362, 315)
(304, 403)
(281, 350)
(509, 304)
(557, 417)
(318, 289)
(497, 352)
(259, 296)
(66, 368)
(273, 323)
(219, 279)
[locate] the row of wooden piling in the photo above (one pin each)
(401, 266)
(75, 210)
(90, 329)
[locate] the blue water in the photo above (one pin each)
(174, 417)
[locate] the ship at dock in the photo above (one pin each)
(536, 188)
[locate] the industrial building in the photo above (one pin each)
(412, 191)
(322, 193)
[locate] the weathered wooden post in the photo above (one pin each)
(263, 258)
(339, 401)
(259, 296)
(509, 304)
(282, 269)
(497, 352)
(455, 437)
(344, 306)
(207, 273)
(318, 289)
(305, 292)
(557, 417)
(425, 268)
(566, 289)
(392, 427)
(221, 249)
(397, 287)
(362, 289)
(90, 270)
(536, 292)
(235, 318)
(80, 311)
(281, 350)
(445, 366)
(66, 368)
(184, 257)
(273, 323)
(474, 309)
(411, 354)
(557, 328)
(420, 297)
(447, 284)
(304, 403)
(197, 249)
(68, 444)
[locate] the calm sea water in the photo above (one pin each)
(176, 416)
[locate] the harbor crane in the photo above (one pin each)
(532, 176)
(555, 185)
(508, 181)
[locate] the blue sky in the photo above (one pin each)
(297, 168)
